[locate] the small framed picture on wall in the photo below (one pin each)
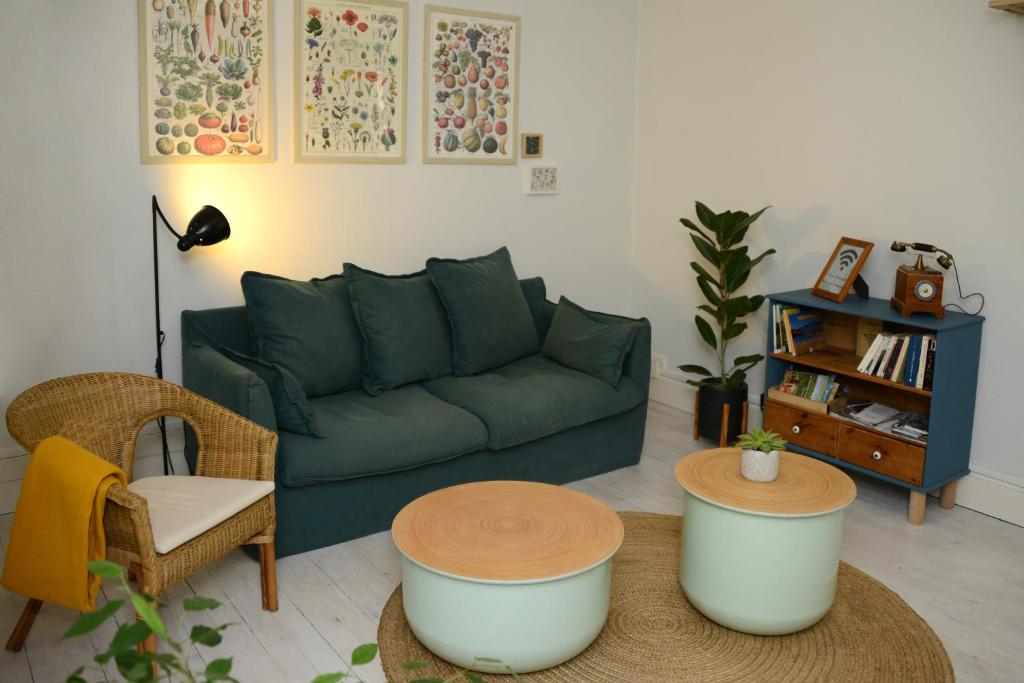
(533, 145)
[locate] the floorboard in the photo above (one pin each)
(962, 571)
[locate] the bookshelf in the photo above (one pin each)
(918, 467)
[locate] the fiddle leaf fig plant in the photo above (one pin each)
(719, 240)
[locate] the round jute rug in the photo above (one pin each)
(654, 634)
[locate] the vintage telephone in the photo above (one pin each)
(919, 288)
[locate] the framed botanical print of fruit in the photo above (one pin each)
(205, 80)
(471, 87)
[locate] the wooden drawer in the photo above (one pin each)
(871, 450)
(816, 432)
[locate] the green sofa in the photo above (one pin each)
(532, 419)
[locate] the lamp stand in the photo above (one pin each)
(159, 367)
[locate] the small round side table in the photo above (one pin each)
(510, 570)
(761, 558)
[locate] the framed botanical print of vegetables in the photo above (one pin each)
(350, 85)
(471, 87)
(205, 80)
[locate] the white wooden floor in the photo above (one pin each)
(962, 571)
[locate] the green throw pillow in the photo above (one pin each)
(403, 326)
(582, 341)
(307, 328)
(290, 403)
(490, 319)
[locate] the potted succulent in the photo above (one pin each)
(760, 458)
(720, 243)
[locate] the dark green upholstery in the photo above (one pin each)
(312, 517)
(403, 325)
(291, 407)
(365, 434)
(588, 343)
(319, 514)
(306, 328)
(534, 397)
(490, 318)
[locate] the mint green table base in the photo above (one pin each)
(528, 625)
(759, 574)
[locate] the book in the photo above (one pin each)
(929, 365)
(884, 356)
(890, 365)
(784, 312)
(869, 355)
(901, 361)
(805, 331)
(914, 356)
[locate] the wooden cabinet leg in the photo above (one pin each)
(947, 495)
(915, 515)
(24, 625)
(723, 437)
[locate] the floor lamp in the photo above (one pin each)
(207, 227)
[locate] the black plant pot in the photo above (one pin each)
(710, 399)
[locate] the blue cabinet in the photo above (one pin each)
(917, 467)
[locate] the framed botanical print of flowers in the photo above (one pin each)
(471, 87)
(350, 82)
(206, 80)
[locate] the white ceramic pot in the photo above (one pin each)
(759, 466)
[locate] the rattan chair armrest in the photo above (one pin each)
(232, 446)
(127, 526)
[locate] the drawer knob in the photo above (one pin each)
(877, 455)
(796, 429)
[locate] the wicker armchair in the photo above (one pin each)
(104, 413)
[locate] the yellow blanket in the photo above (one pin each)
(58, 525)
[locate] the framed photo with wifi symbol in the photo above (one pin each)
(842, 269)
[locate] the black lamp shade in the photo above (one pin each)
(207, 227)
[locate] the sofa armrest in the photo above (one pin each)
(213, 375)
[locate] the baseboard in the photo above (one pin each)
(678, 394)
(990, 494)
(983, 491)
(148, 463)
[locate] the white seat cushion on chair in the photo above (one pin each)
(181, 508)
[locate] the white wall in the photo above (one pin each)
(75, 259)
(875, 119)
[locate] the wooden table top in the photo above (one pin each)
(805, 486)
(507, 531)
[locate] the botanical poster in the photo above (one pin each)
(205, 79)
(350, 81)
(471, 87)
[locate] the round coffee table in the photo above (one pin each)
(761, 558)
(505, 570)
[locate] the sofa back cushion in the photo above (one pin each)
(491, 323)
(307, 328)
(403, 326)
(582, 341)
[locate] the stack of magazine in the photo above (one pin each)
(810, 385)
(885, 418)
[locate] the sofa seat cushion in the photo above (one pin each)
(181, 508)
(535, 397)
(397, 430)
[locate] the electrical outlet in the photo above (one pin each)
(658, 363)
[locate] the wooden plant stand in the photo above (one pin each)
(724, 436)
